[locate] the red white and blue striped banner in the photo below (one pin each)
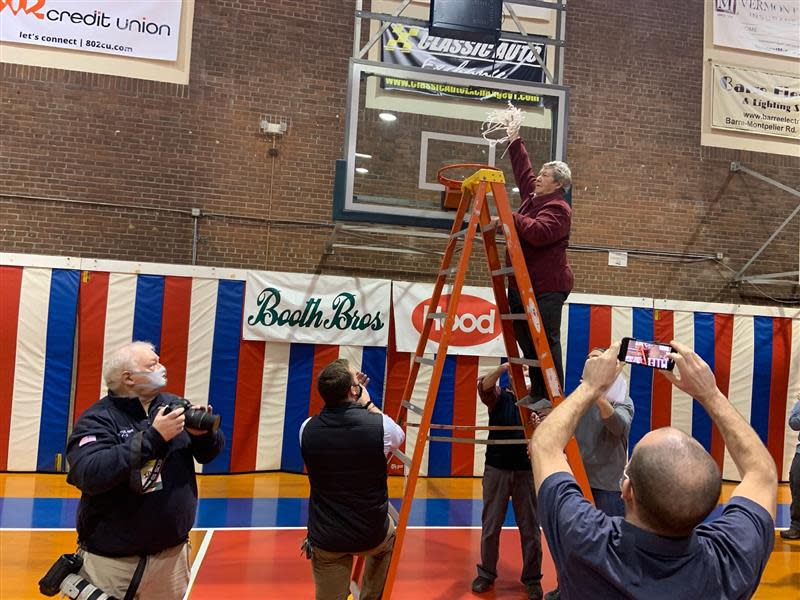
(60, 318)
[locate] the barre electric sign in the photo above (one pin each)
(121, 27)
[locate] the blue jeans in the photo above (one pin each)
(609, 502)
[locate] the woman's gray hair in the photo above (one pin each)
(121, 360)
(561, 173)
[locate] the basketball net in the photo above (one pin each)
(506, 121)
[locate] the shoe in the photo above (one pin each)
(480, 584)
(554, 595)
(534, 591)
(791, 534)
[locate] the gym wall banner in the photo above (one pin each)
(755, 101)
(477, 330)
(763, 26)
(119, 27)
(298, 308)
(413, 47)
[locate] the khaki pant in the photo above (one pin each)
(332, 570)
(165, 577)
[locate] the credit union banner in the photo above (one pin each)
(316, 309)
(770, 26)
(755, 101)
(120, 27)
(477, 330)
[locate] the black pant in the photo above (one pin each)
(794, 487)
(550, 305)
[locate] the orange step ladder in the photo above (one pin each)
(475, 191)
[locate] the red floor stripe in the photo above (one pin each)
(247, 413)
(463, 455)
(175, 331)
(779, 388)
(723, 347)
(92, 300)
(661, 407)
(10, 289)
(436, 564)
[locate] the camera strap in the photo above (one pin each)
(139, 483)
(136, 579)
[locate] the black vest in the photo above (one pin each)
(513, 457)
(343, 451)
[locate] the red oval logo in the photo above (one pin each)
(477, 320)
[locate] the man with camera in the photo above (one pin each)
(661, 549)
(132, 456)
(345, 448)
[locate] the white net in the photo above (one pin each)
(502, 126)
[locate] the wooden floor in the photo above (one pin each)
(27, 551)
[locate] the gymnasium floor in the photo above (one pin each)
(249, 529)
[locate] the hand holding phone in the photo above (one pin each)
(648, 354)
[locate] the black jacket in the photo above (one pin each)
(343, 451)
(110, 445)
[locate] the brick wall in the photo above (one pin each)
(641, 178)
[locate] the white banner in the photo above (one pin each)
(755, 101)
(771, 26)
(135, 28)
(316, 309)
(477, 330)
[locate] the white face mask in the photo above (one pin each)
(154, 380)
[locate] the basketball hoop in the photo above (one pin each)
(451, 196)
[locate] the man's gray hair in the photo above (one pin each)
(561, 173)
(121, 360)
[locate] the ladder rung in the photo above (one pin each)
(457, 440)
(436, 316)
(472, 427)
(458, 234)
(404, 458)
(514, 317)
(412, 407)
(450, 271)
(494, 224)
(531, 362)
(424, 361)
(503, 271)
(394, 514)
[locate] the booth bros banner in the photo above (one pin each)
(120, 27)
(61, 317)
(755, 101)
(769, 26)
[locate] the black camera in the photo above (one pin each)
(195, 418)
(62, 577)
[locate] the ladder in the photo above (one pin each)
(474, 194)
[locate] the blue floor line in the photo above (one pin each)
(59, 513)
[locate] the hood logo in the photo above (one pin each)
(21, 6)
(477, 320)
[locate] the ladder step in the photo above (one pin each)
(424, 361)
(514, 317)
(458, 234)
(404, 458)
(412, 407)
(450, 271)
(457, 440)
(531, 362)
(472, 427)
(436, 316)
(394, 514)
(494, 224)
(503, 271)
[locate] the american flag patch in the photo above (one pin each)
(87, 439)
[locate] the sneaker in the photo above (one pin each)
(791, 534)
(534, 591)
(480, 584)
(554, 595)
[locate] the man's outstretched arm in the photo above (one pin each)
(550, 438)
(759, 475)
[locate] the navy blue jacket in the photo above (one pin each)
(110, 445)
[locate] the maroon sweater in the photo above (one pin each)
(542, 224)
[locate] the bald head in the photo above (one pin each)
(675, 481)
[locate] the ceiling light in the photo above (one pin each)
(362, 170)
(362, 155)
(388, 117)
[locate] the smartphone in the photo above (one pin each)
(649, 354)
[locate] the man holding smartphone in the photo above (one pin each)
(670, 485)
